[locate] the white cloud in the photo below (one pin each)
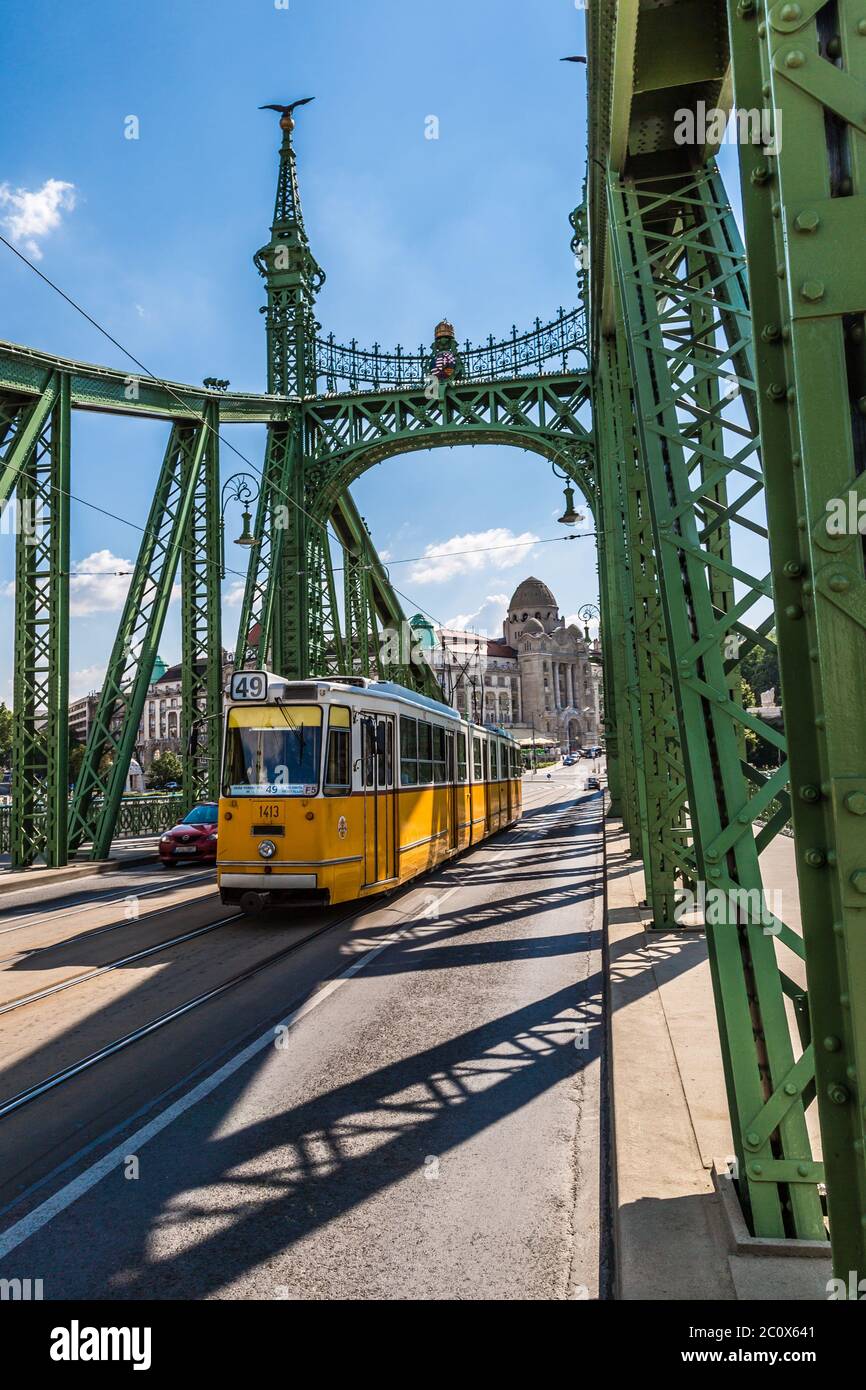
(31, 215)
(234, 594)
(497, 549)
(98, 583)
(488, 618)
(82, 682)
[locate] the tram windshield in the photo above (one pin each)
(273, 750)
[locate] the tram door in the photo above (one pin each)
(506, 754)
(377, 761)
(453, 808)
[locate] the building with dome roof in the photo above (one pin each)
(541, 679)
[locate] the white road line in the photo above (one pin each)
(65, 1196)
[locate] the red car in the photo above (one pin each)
(195, 837)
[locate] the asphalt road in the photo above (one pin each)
(406, 1105)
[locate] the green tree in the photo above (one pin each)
(760, 669)
(76, 758)
(5, 735)
(167, 768)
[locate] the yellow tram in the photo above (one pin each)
(337, 789)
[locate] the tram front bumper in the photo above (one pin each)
(255, 892)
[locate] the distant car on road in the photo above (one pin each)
(592, 784)
(195, 837)
(568, 761)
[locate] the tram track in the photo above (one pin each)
(114, 965)
(94, 902)
(64, 1075)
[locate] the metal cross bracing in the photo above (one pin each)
(680, 289)
(747, 391)
(709, 418)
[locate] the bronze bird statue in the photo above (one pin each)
(287, 121)
(577, 59)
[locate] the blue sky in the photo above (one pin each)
(154, 237)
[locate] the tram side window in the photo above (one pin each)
(338, 762)
(461, 757)
(368, 750)
(440, 771)
(425, 754)
(477, 765)
(408, 751)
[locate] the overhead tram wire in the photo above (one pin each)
(201, 419)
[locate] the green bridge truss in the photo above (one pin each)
(709, 400)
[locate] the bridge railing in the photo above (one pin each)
(139, 816)
(560, 345)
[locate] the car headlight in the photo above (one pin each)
(267, 849)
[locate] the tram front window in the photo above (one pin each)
(273, 750)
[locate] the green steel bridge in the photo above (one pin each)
(708, 397)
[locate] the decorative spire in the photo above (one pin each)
(293, 278)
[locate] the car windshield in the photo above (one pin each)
(201, 815)
(273, 750)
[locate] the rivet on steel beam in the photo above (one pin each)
(760, 174)
(762, 29)
(746, 8)
(816, 859)
(820, 723)
(812, 290)
(807, 221)
(803, 1170)
(845, 1001)
(837, 1093)
(807, 588)
(794, 612)
(780, 271)
(771, 332)
(757, 1169)
(753, 1139)
(790, 12)
(861, 405)
(789, 1088)
(834, 47)
(838, 929)
(839, 583)
(792, 569)
(776, 391)
(809, 792)
(855, 802)
(861, 27)
(794, 58)
(831, 1044)
(790, 394)
(858, 880)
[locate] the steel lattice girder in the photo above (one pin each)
(36, 463)
(653, 224)
(803, 201)
(114, 732)
(254, 645)
(657, 831)
(201, 628)
(349, 434)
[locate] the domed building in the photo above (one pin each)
(541, 679)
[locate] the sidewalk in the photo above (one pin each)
(679, 1233)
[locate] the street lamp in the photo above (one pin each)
(242, 492)
(571, 515)
(586, 614)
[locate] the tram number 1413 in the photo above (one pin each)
(249, 685)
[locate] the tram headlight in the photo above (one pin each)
(267, 849)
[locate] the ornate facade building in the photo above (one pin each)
(541, 678)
